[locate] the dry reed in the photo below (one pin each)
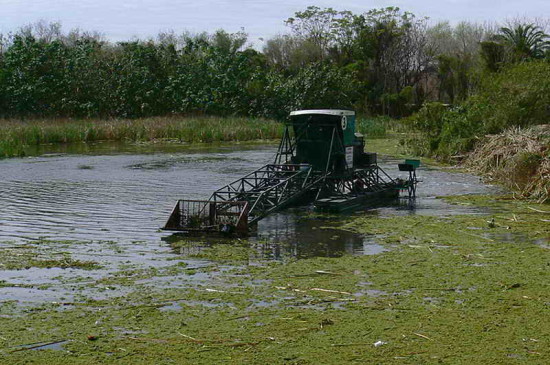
(518, 158)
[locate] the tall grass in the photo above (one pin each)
(379, 127)
(17, 135)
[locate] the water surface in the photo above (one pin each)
(124, 193)
(106, 204)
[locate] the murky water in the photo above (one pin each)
(127, 196)
(110, 196)
(112, 199)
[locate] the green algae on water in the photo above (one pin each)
(452, 289)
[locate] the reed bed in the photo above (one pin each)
(517, 158)
(17, 135)
(376, 127)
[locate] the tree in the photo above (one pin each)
(457, 54)
(391, 47)
(314, 25)
(324, 31)
(524, 41)
(493, 55)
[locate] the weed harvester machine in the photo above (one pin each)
(320, 160)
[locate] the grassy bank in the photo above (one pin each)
(16, 135)
(449, 289)
(500, 124)
(376, 127)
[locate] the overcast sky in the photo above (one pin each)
(121, 20)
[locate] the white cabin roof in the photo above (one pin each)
(323, 111)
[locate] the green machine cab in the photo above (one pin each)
(326, 139)
(320, 133)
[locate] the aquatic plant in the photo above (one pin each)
(490, 283)
(17, 135)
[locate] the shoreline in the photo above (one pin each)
(17, 137)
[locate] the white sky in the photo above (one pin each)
(121, 20)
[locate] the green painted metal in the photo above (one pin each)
(348, 121)
(414, 163)
(322, 137)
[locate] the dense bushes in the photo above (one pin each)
(134, 79)
(374, 62)
(381, 62)
(519, 95)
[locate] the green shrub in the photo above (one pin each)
(373, 127)
(517, 96)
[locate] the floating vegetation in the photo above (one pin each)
(85, 167)
(393, 306)
(25, 257)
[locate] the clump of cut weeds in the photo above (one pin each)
(517, 158)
